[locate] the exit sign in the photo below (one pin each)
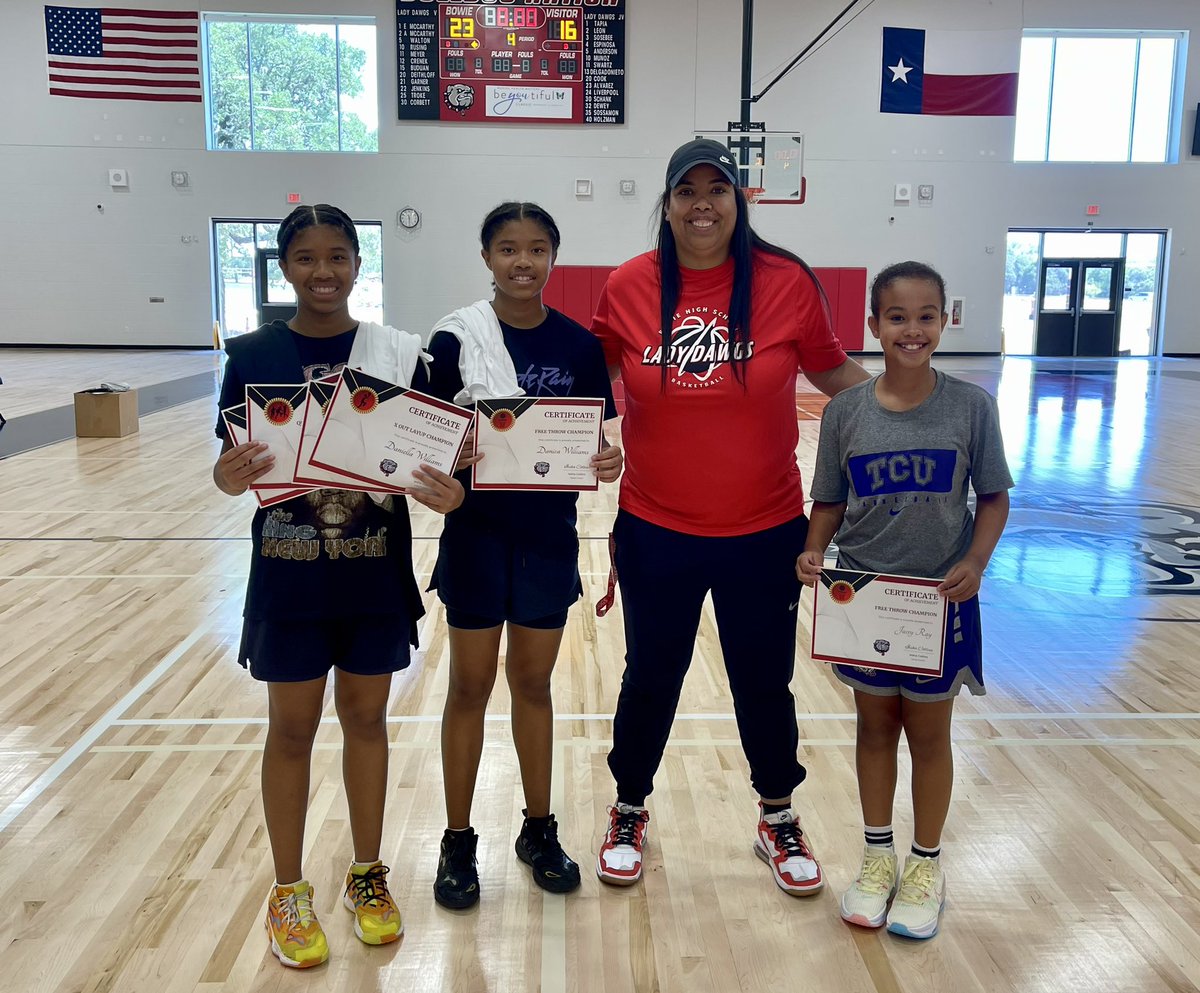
(295, 198)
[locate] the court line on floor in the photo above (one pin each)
(88, 739)
(330, 746)
(504, 718)
(554, 910)
(131, 575)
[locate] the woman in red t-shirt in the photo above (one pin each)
(709, 333)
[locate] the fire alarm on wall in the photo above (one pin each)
(118, 178)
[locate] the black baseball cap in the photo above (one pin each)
(702, 151)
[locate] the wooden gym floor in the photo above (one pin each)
(132, 850)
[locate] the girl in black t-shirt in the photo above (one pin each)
(512, 558)
(331, 586)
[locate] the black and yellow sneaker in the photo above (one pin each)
(457, 882)
(537, 846)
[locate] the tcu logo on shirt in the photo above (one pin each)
(927, 470)
(699, 347)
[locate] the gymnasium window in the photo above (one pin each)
(275, 83)
(1100, 96)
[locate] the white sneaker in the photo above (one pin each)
(918, 904)
(780, 843)
(865, 902)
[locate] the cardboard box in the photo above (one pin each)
(106, 415)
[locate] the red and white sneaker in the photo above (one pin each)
(619, 860)
(780, 843)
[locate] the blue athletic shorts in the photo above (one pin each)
(291, 652)
(962, 664)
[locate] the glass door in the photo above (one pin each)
(1079, 307)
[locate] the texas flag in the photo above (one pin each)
(959, 73)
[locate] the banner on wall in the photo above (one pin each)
(954, 73)
(520, 61)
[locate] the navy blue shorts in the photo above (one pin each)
(962, 664)
(486, 577)
(290, 652)
(477, 622)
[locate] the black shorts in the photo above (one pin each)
(287, 652)
(486, 577)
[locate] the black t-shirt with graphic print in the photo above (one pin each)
(558, 358)
(329, 553)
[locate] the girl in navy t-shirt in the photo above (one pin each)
(512, 558)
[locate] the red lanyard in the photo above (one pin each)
(604, 604)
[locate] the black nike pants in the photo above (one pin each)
(664, 576)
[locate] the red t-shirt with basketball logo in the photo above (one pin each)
(711, 455)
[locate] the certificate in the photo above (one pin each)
(273, 416)
(235, 424)
(320, 392)
(879, 622)
(540, 443)
(378, 432)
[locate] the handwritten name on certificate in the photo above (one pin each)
(537, 443)
(320, 392)
(880, 622)
(378, 432)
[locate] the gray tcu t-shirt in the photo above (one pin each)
(904, 475)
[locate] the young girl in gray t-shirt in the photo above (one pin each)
(893, 464)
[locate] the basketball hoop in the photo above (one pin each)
(770, 164)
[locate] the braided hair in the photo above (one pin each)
(311, 216)
(513, 210)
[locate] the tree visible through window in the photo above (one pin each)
(302, 86)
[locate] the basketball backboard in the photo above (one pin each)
(771, 163)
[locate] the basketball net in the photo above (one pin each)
(753, 193)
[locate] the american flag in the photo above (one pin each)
(119, 53)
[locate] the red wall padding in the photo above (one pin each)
(575, 290)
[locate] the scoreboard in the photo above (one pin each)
(527, 61)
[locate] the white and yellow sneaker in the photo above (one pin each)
(918, 905)
(296, 936)
(376, 916)
(865, 903)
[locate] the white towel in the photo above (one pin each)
(484, 363)
(386, 352)
(391, 354)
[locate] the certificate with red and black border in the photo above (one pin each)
(377, 432)
(320, 393)
(273, 416)
(538, 443)
(875, 621)
(235, 424)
